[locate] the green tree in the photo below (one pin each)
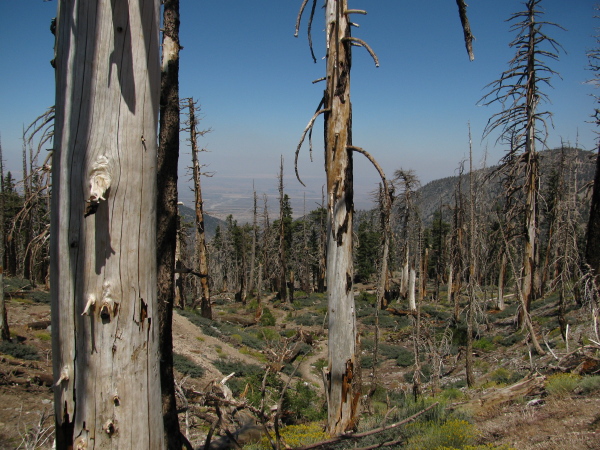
(367, 252)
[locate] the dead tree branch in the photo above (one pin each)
(341, 437)
(309, 127)
(360, 43)
(464, 20)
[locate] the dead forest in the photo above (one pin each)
(458, 314)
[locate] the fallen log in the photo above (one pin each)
(526, 387)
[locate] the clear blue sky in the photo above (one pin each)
(253, 80)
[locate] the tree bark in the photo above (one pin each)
(201, 251)
(342, 376)
(4, 329)
(105, 331)
(592, 249)
(166, 211)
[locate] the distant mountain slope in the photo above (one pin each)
(210, 223)
(441, 192)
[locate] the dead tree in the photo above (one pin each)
(4, 330)
(105, 331)
(201, 250)
(523, 125)
(167, 213)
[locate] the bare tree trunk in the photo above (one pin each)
(471, 304)
(4, 329)
(412, 304)
(501, 275)
(342, 376)
(385, 206)
(592, 249)
(450, 281)
(105, 332)
(201, 252)
(251, 283)
(167, 213)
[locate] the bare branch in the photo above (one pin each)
(308, 127)
(367, 433)
(360, 43)
(372, 160)
(299, 18)
(464, 20)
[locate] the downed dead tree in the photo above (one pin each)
(528, 386)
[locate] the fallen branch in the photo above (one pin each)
(366, 433)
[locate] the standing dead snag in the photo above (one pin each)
(167, 213)
(201, 250)
(342, 376)
(522, 125)
(106, 362)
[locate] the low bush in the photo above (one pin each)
(589, 384)
(504, 376)
(562, 384)
(453, 434)
(405, 357)
(267, 319)
(484, 344)
(308, 319)
(269, 334)
(302, 404)
(20, 351)
(187, 366)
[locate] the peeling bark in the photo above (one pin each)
(342, 383)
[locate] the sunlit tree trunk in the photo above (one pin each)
(104, 312)
(201, 251)
(342, 376)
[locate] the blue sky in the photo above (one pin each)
(253, 80)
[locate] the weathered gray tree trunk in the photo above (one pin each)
(104, 311)
(201, 251)
(501, 275)
(342, 376)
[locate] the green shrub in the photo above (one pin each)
(294, 436)
(367, 361)
(405, 357)
(267, 319)
(562, 384)
(308, 319)
(484, 344)
(187, 366)
(302, 404)
(589, 384)
(504, 376)
(237, 338)
(437, 312)
(453, 434)
(512, 339)
(269, 334)
(20, 351)
(452, 394)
